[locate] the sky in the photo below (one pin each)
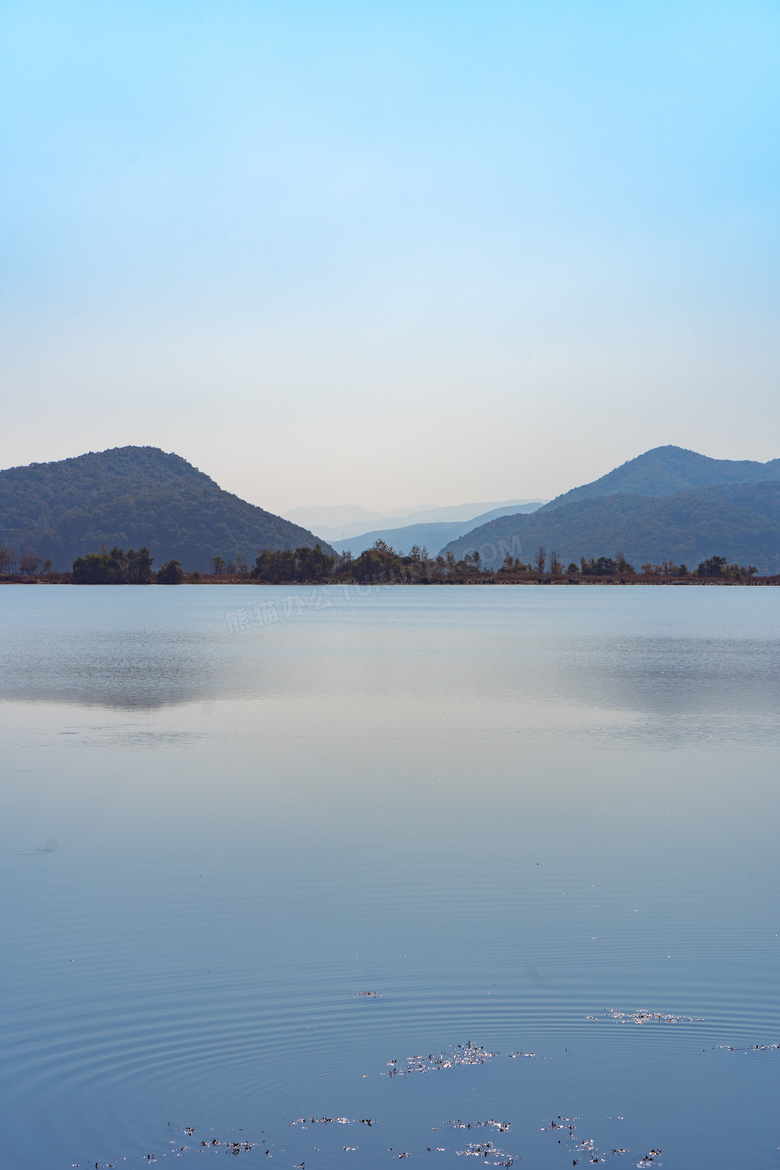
(390, 252)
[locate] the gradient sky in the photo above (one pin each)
(390, 252)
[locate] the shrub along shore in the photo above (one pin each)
(379, 565)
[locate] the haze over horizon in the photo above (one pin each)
(388, 254)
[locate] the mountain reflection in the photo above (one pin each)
(650, 658)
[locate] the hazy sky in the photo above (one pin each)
(390, 252)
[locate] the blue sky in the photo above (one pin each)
(390, 253)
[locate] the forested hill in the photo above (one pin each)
(665, 471)
(133, 496)
(740, 522)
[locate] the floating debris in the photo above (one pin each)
(585, 1151)
(331, 1121)
(752, 1048)
(451, 1058)
(501, 1126)
(562, 1123)
(486, 1151)
(644, 1017)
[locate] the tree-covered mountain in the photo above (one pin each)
(665, 471)
(134, 496)
(740, 522)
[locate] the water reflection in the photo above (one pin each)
(521, 819)
(683, 660)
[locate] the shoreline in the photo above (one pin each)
(708, 582)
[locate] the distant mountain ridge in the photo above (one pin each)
(648, 521)
(432, 536)
(665, 471)
(133, 496)
(342, 523)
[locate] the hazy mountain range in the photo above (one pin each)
(432, 535)
(667, 504)
(341, 522)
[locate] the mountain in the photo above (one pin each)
(737, 520)
(665, 471)
(133, 496)
(432, 536)
(342, 522)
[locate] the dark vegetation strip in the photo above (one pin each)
(380, 564)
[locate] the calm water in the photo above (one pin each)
(230, 812)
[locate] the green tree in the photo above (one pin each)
(93, 569)
(313, 564)
(113, 568)
(139, 566)
(117, 566)
(379, 563)
(712, 567)
(170, 574)
(275, 566)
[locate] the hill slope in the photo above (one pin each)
(432, 535)
(133, 496)
(738, 521)
(343, 523)
(665, 471)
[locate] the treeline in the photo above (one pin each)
(378, 564)
(619, 567)
(118, 567)
(382, 563)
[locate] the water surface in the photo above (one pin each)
(504, 812)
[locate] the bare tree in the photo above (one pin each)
(556, 568)
(540, 559)
(6, 558)
(29, 562)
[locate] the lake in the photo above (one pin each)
(461, 862)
